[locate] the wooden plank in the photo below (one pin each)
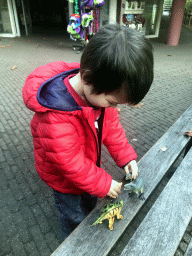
(98, 240)
(162, 229)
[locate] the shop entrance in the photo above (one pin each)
(9, 26)
(49, 17)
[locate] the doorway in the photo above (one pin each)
(48, 17)
(9, 26)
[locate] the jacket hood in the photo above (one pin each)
(44, 88)
(53, 93)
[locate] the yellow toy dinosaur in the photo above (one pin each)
(109, 213)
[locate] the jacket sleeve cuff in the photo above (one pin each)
(134, 158)
(107, 187)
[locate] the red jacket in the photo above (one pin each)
(64, 134)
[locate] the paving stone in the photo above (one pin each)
(24, 234)
(40, 241)
(13, 150)
(32, 181)
(4, 241)
(3, 181)
(8, 157)
(25, 187)
(19, 163)
(19, 136)
(9, 226)
(40, 218)
(189, 251)
(183, 246)
(8, 201)
(7, 170)
(179, 253)
(30, 161)
(189, 229)
(27, 215)
(31, 249)
(46, 208)
(12, 206)
(186, 238)
(18, 174)
(2, 157)
(18, 219)
(190, 223)
(18, 193)
(55, 226)
(2, 143)
(52, 241)
(51, 202)
(5, 114)
(17, 246)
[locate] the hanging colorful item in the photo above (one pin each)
(74, 27)
(76, 5)
(94, 16)
(75, 21)
(96, 20)
(93, 3)
(85, 21)
(98, 3)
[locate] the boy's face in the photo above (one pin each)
(103, 100)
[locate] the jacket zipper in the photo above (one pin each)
(96, 140)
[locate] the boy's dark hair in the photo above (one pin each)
(118, 58)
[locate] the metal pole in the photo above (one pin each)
(24, 17)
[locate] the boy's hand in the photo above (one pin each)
(132, 168)
(115, 189)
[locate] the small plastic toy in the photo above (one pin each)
(109, 213)
(134, 186)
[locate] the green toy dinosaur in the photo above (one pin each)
(134, 186)
(109, 213)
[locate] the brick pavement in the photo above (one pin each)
(29, 222)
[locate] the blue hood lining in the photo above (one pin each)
(53, 93)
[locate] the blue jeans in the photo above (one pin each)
(73, 209)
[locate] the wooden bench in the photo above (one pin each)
(163, 228)
(164, 224)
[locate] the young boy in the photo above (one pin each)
(116, 67)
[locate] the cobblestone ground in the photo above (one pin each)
(29, 223)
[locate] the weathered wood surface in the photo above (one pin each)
(162, 229)
(98, 240)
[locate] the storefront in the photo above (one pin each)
(23, 17)
(144, 16)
